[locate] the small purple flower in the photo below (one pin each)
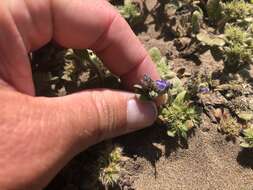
(162, 85)
(204, 90)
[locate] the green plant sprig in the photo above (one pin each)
(180, 116)
(130, 12)
(177, 114)
(247, 141)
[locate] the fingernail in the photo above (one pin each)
(140, 114)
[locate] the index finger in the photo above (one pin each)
(95, 24)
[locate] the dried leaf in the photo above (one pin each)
(246, 116)
(210, 40)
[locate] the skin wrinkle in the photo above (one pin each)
(99, 110)
(56, 131)
(130, 78)
(11, 142)
(99, 132)
(83, 132)
(18, 36)
(34, 32)
(3, 84)
(42, 132)
(110, 117)
(18, 132)
(111, 114)
(42, 26)
(14, 54)
(20, 20)
(134, 67)
(75, 118)
(42, 34)
(2, 52)
(3, 68)
(29, 47)
(118, 47)
(19, 138)
(55, 120)
(20, 56)
(99, 47)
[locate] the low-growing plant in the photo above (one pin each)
(150, 89)
(130, 12)
(237, 11)
(75, 70)
(247, 141)
(162, 64)
(236, 46)
(199, 83)
(110, 169)
(69, 69)
(214, 10)
(239, 47)
(165, 71)
(235, 34)
(196, 20)
(179, 116)
(229, 126)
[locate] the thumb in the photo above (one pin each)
(95, 115)
(45, 133)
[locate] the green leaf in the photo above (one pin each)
(155, 54)
(184, 134)
(171, 134)
(170, 74)
(177, 86)
(180, 98)
(184, 128)
(244, 145)
(196, 21)
(214, 9)
(248, 132)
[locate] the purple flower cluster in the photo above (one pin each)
(158, 86)
(204, 90)
(162, 85)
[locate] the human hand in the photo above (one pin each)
(39, 135)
